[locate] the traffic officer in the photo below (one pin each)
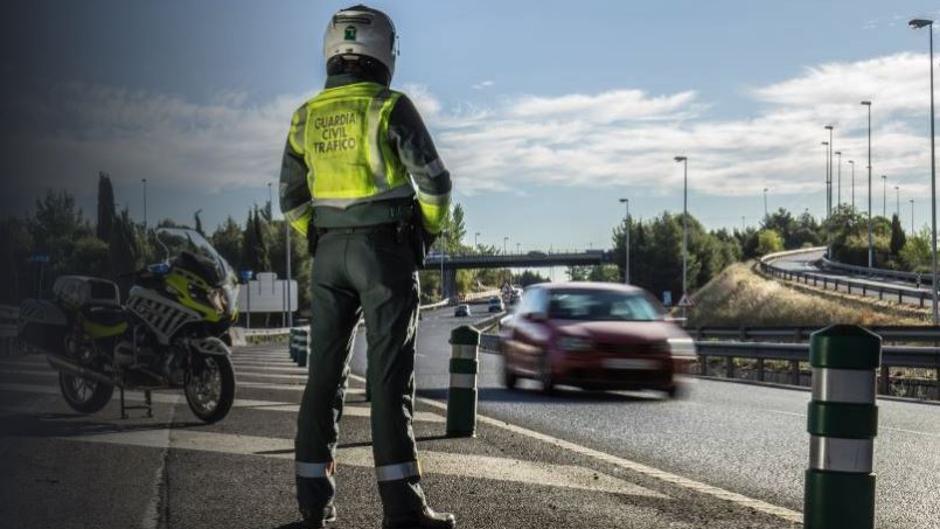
(362, 180)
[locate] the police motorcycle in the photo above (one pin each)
(172, 332)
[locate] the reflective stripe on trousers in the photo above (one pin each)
(398, 471)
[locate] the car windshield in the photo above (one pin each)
(600, 305)
(189, 245)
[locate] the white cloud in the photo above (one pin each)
(621, 138)
(483, 85)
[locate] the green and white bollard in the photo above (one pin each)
(300, 346)
(462, 396)
(843, 422)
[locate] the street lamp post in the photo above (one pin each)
(505, 244)
(912, 216)
(918, 23)
(685, 223)
(765, 204)
(871, 249)
(839, 180)
(626, 242)
(476, 239)
(852, 163)
(828, 205)
(829, 165)
(897, 197)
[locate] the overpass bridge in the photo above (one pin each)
(533, 259)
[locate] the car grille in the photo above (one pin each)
(629, 348)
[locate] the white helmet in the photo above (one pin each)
(361, 31)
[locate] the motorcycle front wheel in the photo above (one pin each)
(210, 387)
(83, 395)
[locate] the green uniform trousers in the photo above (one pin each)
(371, 273)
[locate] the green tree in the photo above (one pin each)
(769, 241)
(898, 239)
(105, 207)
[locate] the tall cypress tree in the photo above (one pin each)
(105, 207)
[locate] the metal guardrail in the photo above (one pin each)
(889, 333)
(795, 353)
(912, 277)
(851, 285)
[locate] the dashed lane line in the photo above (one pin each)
(880, 427)
(432, 462)
(686, 483)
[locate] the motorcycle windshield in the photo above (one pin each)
(184, 244)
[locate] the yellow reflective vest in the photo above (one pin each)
(342, 138)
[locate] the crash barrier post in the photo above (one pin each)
(842, 423)
(462, 396)
(299, 345)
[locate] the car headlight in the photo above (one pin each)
(573, 343)
(681, 346)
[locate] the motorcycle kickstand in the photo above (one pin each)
(148, 405)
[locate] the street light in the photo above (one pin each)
(871, 249)
(505, 243)
(765, 204)
(919, 23)
(826, 145)
(839, 185)
(852, 163)
(884, 196)
(829, 160)
(476, 239)
(626, 242)
(912, 216)
(685, 223)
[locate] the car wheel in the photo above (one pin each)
(510, 379)
(545, 377)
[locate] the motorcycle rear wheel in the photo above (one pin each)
(210, 387)
(83, 395)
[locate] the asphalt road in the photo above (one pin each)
(806, 262)
(728, 455)
(746, 439)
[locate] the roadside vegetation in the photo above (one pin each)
(740, 296)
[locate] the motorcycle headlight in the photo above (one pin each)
(218, 301)
(573, 343)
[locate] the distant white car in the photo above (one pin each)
(462, 311)
(495, 304)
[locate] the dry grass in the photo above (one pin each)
(739, 296)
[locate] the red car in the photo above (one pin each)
(597, 336)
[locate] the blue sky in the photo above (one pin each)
(546, 112)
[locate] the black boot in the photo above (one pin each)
(320, 519)
(426, 519)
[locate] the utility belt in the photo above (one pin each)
(402, 223)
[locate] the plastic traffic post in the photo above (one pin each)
(300, 346)
(843, 422)
(462, 396)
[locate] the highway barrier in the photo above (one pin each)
(850, 285)
(299, 345)
(462, 395)
(842, 423)
(881, 273)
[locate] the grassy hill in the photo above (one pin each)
(739, 296)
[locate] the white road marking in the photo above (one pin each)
(251, 374)
(699, 487)
(462, 465)
(292, 387)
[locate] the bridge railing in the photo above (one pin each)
(850, 285)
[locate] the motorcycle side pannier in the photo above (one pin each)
(77, 291)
